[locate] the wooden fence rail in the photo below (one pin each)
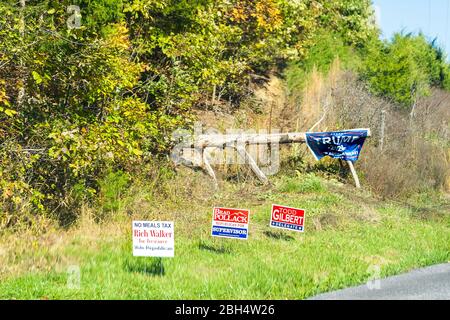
(205, 143)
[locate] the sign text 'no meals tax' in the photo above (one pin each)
(230, 223)
(153, 238)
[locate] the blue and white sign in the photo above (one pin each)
(230, 223)
(345, 145)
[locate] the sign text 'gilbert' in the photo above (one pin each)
(287, 218)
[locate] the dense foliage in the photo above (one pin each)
(406, 68)
(83, 92)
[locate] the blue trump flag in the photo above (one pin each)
(345, 145)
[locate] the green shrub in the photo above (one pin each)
(327, 48)
(405, 68)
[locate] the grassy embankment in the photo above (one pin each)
(348, 234)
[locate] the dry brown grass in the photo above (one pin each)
(29, 251)
(414, 157)
(316, 98)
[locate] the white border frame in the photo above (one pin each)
(279, 205)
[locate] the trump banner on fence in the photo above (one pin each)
(153, 239)
(287, 218)
(230, 223)
(345, 145)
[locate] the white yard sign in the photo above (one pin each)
(153, 239)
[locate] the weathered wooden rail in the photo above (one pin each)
(205, 143)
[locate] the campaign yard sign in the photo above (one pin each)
(230, 223)
(153, 238)
(345, 145)
(287, 218)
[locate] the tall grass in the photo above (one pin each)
(337, 250)
(414, 154)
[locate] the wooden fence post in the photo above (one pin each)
(382, 129)
(354, 174)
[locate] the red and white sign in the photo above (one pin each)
(230, 223)
(287, 218)
(153, 239)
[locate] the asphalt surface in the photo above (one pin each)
(432, 283)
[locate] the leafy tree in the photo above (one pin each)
(405, 68)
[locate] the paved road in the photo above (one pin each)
(432, 283)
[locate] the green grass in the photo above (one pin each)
(344, 237)
(306, 183)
